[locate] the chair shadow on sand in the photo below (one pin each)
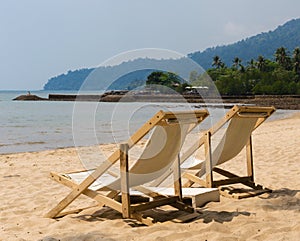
(282, 199)
(160, 215)
(220, 217)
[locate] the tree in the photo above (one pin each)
(217, 62)
(261, 63)
(164, 81)
(282, 58)
(263, 76)
(236, 62)
(296, 60)
(251, 64)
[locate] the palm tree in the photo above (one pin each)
(282, 58)
(251, 64)
(261, 63)
(296, 60)
(217, 62)
(237, 63)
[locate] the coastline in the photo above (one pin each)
(28, 193)
(288, 102)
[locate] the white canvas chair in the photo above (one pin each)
(161, 152)
(242, 121)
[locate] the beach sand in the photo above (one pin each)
(27, 194)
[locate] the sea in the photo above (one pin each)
(28, 126)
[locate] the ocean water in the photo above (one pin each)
(40, 125)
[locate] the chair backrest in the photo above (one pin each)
(242, 122)
(162, 147)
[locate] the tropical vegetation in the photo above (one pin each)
(164, 81)
(258, 76)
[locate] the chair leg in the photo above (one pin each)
(208, 163)
(177, 178)
(124, 180)
(250, 170)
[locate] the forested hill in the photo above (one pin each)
(72, 80)
(265, 44)
(127, 75)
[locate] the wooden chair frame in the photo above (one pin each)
(248, 180)
(127, 209)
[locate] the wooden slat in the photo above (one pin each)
(147, 192)
(249, 158)
(124, 180)
(153, 204)
(257, 109)
(233, 193)
(208, 160)
(194, 179)
(147, 221)
(224, 172)
(183, 207)
(90, 193)
(231, 175)
(185, 218)
(186, 117)
(177, 178)
(232, 180)
(186, 114)
(178, 204)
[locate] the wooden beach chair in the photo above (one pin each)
(160, 153)
(242, 121)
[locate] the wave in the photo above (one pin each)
(24, 143)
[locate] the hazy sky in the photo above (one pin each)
(40, 39)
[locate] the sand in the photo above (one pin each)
(27, 193)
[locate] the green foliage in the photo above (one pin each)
(263, 76)
(164, 81)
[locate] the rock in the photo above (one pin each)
(29, 97)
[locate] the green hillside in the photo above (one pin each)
(265, 44)
(128, 75)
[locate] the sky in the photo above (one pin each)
(40, 39)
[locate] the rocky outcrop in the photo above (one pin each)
(29, 97)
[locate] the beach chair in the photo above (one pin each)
(169, 131)
(242, 121)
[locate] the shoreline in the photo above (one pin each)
(288, 102)
(272, 119)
